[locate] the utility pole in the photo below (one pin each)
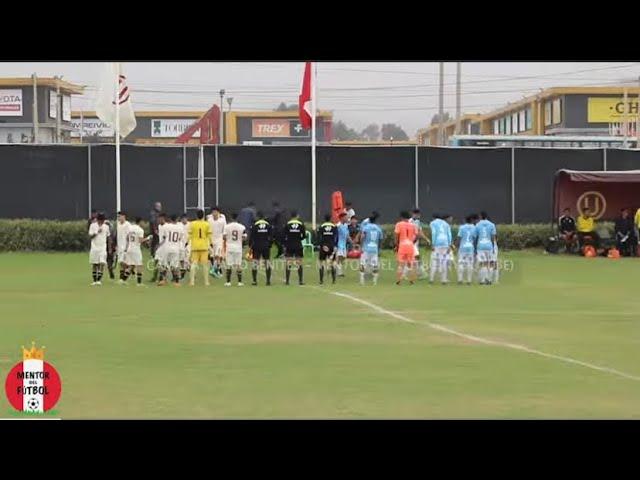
(35, 108)
(625, 125)
(441, 107)
(458, 95)
(638, 120)
(221, 134)
(58, 109)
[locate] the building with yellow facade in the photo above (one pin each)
(560, 111)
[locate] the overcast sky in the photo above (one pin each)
(357, 93)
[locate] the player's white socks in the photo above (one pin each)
(496, 274)
(192, 273)
(470, 272)
(433, 268)
(339, 268)
(375, 278)
(484, 274)
(361, 278)
(461, 272)
(444, 271)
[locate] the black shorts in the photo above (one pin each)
(294, 251)
(330, 255)
(261, 253)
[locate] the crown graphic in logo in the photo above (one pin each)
(34, 353)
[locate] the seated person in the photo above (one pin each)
(567, 229)
(586, 226)
(624, 233)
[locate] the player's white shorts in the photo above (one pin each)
(216, 249)
(172, 259)
(484, 256)
(416, 250)
(465, 259)
(234, 258)
(120, 255)
(185, 254)
(368, 259)
(160, 256)
(341, 252)
(133, 257)
(439, 254)
(97, 256)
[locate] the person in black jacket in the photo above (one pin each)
(294, 233)
(278, 221)
(260, 241)
(567, 229)
(624, 233)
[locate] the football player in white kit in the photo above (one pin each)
(122, 229)
(160, 256)
(173, 244)
(185, 252)
(233, 235)
(133, 252)
(98, 233)
(217, 222)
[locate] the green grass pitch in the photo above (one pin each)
(302, 352)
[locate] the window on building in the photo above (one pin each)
(556, 112)
(507, 129)
(522, 122)
(528, 118)
(514, 122)
(547, 114)
(496, 127)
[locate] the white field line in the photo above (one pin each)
(485, 341)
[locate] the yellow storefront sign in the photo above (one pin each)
(611, 109)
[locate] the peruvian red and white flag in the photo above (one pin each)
(106, 99)
(304, 101)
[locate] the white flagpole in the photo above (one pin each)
(313, 145)
(117, 132)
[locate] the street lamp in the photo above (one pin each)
(229, 101)
(221, 134)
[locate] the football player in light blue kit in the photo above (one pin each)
(370, 238)
(466, 244)
(343, 238)
(486, 248)
(441, 242)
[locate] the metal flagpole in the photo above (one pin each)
(117, 134)
(313, 146)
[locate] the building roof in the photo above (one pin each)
(474, 117)
(541, 95)
(198, 114)
(65, 87)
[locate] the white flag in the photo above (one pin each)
(105, 100)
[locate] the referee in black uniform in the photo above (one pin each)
(260, 242)
(294, 233)
(327, 240)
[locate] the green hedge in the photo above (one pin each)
(50, 235)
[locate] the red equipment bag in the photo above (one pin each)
(337, 206)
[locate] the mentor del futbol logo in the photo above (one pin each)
(33, 385)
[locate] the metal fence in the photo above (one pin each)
(513, 184)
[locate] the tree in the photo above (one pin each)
(436, 118)
(342, 132)
(371, 132)
(283, 107)
(391, 130)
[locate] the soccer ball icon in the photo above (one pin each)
(33, 404)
